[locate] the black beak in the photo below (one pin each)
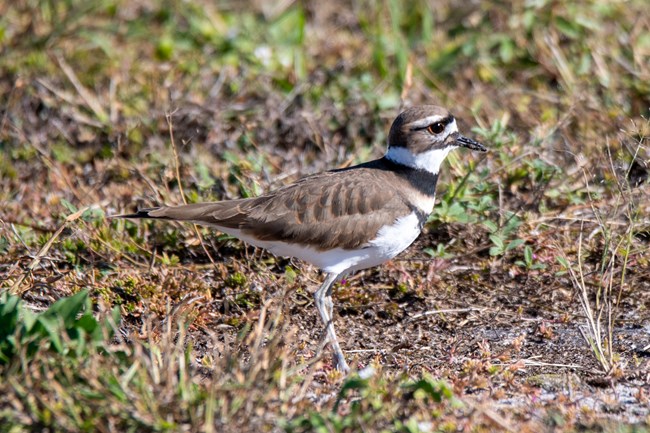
(463, 141)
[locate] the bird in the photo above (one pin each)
(347, 219)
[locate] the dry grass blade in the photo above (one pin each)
(15, 288)
(593, 335)
(91, 100)
(177, 169)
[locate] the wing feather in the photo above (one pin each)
(333, 209)
(341, 208)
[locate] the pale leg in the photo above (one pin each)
(325, 306)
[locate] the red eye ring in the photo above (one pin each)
(436, 128)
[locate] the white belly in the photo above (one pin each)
(389, 242)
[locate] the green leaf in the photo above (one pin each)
(456, 210)
(507, 50)
(563, 261)
(497, 240)
(491, 226)
(528, 255)
(88, 323)
(514, 244)
(495, 251)
(28, 319)
(9, 313)
(69, 206)
(60, 328)
(115, 387)
(434, 389)
(67, 309)
(290, 275)
(165, 48)
(568, 28)
(48, 326)
(352, 383)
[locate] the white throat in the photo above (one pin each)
(429, 160)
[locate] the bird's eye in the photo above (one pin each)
(436, 128)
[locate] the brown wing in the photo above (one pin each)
(342, 209)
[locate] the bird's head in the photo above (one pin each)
(421, 137)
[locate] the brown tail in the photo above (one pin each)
(225, 213)
(143, 213)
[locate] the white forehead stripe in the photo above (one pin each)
(426, 121)
(451, 127)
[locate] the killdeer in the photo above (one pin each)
(347, 219)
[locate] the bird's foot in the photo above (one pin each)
(341, 365)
